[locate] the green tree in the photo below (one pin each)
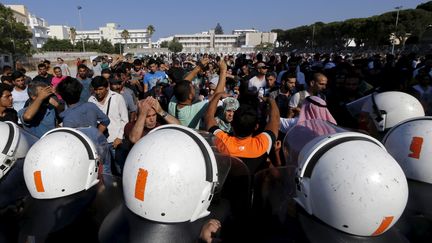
(175, 46)
(15, 37)
(425, 6)
(106, 46)
(150, 31)
(57, 45)
(218, 29)
(164, 44)
(125, 35)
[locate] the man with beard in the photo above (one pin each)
(85, 81)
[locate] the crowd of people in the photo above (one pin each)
(180, 91)
(247, 101)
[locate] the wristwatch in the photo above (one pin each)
(164, 114)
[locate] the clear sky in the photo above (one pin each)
(192, 16)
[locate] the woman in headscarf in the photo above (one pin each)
(224, 119)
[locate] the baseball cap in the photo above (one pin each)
(262, 65)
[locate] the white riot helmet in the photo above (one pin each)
(14, 144)
(170, 175)
(410, 143)
(63, 162)
(389, 108)
(350, 182)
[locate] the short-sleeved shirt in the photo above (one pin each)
(189, 115)
(42, 122)
(151, 79)
(253, 150)
(84, 115)
(19, 98)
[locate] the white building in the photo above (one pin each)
(138, 38)
(59, 32)
(209, 41)
(252, 39)
(38, 26)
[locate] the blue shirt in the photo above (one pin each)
(84, 115)
(42, 122)
(151, 79)
(85, 93)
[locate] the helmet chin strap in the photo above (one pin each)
(380, 118)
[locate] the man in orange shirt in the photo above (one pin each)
(253, 150)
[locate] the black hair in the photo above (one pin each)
(137, 62)
(70, 90)
(56, 67)
(17, 74)
(288, 75)
(46, 62)
(6, 78)
(99, 81)
(41, 65)
(182, 90)
(6, 67)
(245, 120)
(82, 66)
(152, 61)
(5, 87)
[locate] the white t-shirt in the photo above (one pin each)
(256, 82)
(19, 98)
(295, 99)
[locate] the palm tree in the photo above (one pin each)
(72, 35)
(125, 35)
(150, 31)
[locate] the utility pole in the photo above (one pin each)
(397, 20)
(81, 27)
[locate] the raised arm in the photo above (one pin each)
(137, 130)
(31, 111)
(165, 115)
(199, 67)
(273, 123)
(209, 117)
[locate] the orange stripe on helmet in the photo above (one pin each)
(37, 175)
(141, 184)
(385, 223)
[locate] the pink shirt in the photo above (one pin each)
(55, 81)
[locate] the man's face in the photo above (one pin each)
(42, 71)
(6, 99)
(58, 72)
(106, 75)
(137, 67)
(82, 73)
(351, 84)
(262, 70)
(150, 121)
(153, 68)
(320, 84)
(116, 87)
(291, 83)
(101, 93)
(19, 83)
(271, 80)
(229, 115)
